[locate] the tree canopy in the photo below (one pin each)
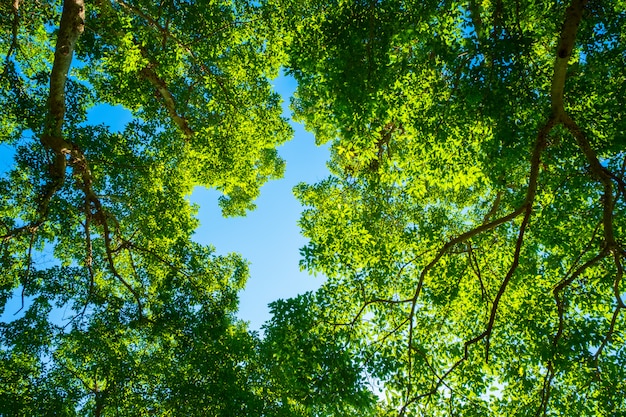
(471, 232)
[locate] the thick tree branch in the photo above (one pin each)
(475, 11)
(148, 72)
(573, 17)
(601, 173)
(168, 99)
(71, 27)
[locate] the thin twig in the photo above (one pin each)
(27, 272)
(546, 390)
(15, 25)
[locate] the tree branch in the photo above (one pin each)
(573, 17)
(564, 51)
(168, 99)
(546, 390)
(609, 334)
(71, 27)
(166, 33)
(507, 279)
(525, 208)
(29, 257)
(473, 261)
(15, 25)
(617, 259)
(601, 173)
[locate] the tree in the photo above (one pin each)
(149, 323)
(472, 231)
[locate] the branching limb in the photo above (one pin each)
(370, 302)
(526, 209)
(166, 33)
(545, 390)
(573, 17)
(570, 276)
(564, 50)
(15, 26)
(451, 243)
(381, 341)
(506, 281)
(620, 305)
(600, 173)
(29, 256)
(609, 198)
(71, 27)
(168, 99)
(149, 73)
(108, 245)
(609, 334)
(473, 261)
(617, 259)
(566, 282)
(128, 244)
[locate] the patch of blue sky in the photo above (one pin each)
(268, 237)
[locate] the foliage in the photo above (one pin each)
(130, 317)
(312, 370)
(472, 231)
(184, 361)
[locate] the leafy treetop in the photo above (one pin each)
(472, 231)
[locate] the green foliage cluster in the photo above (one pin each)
(471, 233)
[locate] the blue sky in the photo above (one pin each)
(268, 237)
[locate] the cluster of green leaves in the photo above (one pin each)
(186, 360)
(311, 368)
(465, 231)
(471, 232)
(129, 316)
